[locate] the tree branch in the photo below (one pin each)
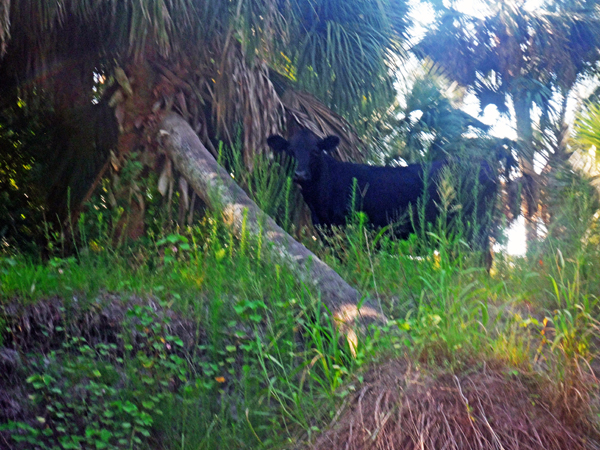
(218, 190)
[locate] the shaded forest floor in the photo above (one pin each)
(195, 340)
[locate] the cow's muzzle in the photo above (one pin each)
(301, 175)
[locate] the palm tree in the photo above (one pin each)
(221, 63)
(430, 124)
(218, 64)
(587, 126)
(521, 58)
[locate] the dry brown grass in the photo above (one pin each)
(401, 407)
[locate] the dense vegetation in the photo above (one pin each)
(195, 339)
(135, 315)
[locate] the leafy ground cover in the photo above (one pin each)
(191, 338)
(197, 341)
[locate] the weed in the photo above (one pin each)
(262, 363)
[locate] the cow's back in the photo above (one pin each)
(385, 194)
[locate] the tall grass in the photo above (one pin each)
(221, 347)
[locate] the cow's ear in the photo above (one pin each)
(329, 143)
(277, 143)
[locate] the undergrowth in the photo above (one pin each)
(260, 364)
(195, 339)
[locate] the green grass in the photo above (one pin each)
(266, 367)
(263, 353)
(216, 346)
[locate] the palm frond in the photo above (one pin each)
(587, 127)
(244, 96)
(210, 60)
(306, 111)
(41, 26)
(262, 25)
(342, 52)
(430, 123)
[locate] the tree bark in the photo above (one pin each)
(218, 190)
(523, 105)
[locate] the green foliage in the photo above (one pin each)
(572, 203)
(342, 51)
(439, 299)
(22, 195)
(587, 126)
(219, 346)
(429, 124)
(269, 183)
(574, 314)
(268, 366)
(103, 395)
(248, 311)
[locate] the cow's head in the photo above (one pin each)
(305, 147)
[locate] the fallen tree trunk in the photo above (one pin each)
(218, 190)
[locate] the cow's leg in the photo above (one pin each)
(483, 245)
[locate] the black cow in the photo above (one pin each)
(385, 194)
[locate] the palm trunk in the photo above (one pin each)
(531, 202)
(4, 25)
(561, 155)
(214, 185)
